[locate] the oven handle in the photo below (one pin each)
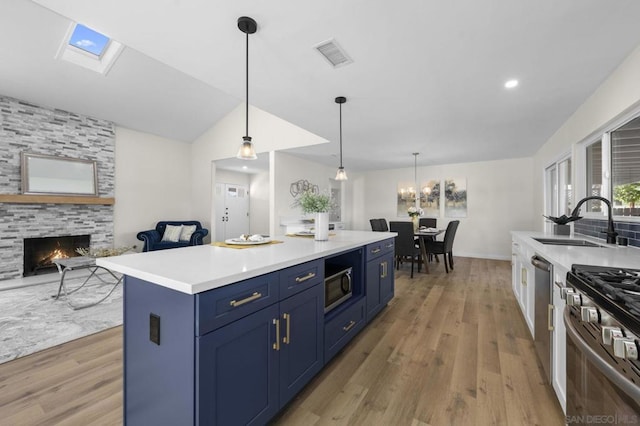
(610, 373)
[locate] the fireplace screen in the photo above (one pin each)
(39, 253)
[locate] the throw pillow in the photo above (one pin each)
(172, 233)
(187, 231)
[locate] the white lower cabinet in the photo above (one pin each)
(522, 281)
(523, 284)
(558, 344)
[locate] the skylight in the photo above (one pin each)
(89, 49)
(88, 40)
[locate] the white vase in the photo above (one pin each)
(322, 226)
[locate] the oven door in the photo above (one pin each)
(596, 391)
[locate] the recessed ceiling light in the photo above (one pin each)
(244, 167)
(511, 84)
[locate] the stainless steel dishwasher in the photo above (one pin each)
(543, 325)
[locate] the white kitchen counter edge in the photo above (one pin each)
(565, 256)
(196, 269)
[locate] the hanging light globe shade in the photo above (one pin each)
(341, 174)
(246, 151)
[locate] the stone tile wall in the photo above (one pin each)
(40, 130)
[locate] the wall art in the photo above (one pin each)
(455, 197)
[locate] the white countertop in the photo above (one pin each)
(610, 255)
(196, 269)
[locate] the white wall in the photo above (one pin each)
(269, 133)
(289, 169)
(619, 94)
(259, 194)
(498, 200)
(152, 184)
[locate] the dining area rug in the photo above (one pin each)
(31, 320)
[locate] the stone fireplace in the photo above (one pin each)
(40, 253)
(29, 128)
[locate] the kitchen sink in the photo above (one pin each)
(561, 242)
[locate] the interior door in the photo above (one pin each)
(232, 210)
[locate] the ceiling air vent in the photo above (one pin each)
(333, 53)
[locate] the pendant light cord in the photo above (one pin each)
(340, 135)
(246, 107)
(415, 175)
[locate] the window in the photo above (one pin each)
(625, 168)
(565, 196)
(594, 176)
(89, 49)
(612, 169)
(88, 40)
(558, 190)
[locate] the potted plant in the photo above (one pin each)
(320, 205)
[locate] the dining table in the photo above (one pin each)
(422, 234)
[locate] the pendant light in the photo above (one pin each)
(341, 174)
(415, 177)
(247, 152)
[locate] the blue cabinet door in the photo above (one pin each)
(372, 277)
(380, 284)
(302, 336)
(237, 376)
(387, 287)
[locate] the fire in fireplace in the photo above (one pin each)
(39, 253)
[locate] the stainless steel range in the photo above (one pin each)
(602, 319)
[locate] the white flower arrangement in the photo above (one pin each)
(415, 211)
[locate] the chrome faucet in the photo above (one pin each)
(611, 233)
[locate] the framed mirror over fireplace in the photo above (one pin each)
(54, 175)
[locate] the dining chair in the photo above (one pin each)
(429, 222)
(444, 247)
(405, 246)
(379, 225)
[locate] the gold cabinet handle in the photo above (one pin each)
(550, 317)
(254, 296)
(523, 277)
(276, 345)
(350, 326)
(376, 250)
(383, 270)
(287, 338)
(305, 278)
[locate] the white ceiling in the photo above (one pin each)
(427, 75)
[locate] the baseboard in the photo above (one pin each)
(481, 256)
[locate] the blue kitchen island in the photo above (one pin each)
(223, 336)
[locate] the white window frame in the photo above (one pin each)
(548, 192)
(580, 172)
(88, 60)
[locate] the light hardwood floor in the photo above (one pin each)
(449, 349)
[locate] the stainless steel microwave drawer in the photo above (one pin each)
(218, 307)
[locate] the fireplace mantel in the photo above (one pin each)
(54, 199)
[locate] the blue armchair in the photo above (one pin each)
(153, 238)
